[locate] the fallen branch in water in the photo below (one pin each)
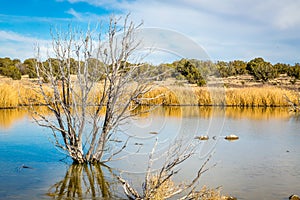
(160, 185)
(295, 107)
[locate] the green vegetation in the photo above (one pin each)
(261, 70)
(294, 71)
(10, 68)
(189, 70)
(194, 71)
(233, 68)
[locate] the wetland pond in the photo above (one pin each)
(264, 163)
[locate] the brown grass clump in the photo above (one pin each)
(164, 191)
(254, 97)
(169, 187)
(209, 194)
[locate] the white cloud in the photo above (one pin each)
(75, 14)
(85, 17)
(207, 13)
(231, 29)
(288, 16)
(11, 36)
(15, 45)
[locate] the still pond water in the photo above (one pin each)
(263, 164)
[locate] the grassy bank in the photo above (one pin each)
(17, 93)
(14, 94)
(243, 97)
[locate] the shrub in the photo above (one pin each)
(261, 70)
(190, 72)
(233, 68)
(294, 71)
(238, 66)
(30, 67)
(282, 68)
(12, 72)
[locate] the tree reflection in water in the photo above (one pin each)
(82, 181)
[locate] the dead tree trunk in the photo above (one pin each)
(86, 77)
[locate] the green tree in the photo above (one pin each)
(282, 68)
(30, 67)
(261, 70)
(5, 62)
(190, 72)
(238, 67)
(222, 69)
(12, 72)
(8, 68)
(294, 71)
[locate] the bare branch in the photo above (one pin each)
(295, 107)
(91, 87)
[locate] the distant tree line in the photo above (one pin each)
(15, 68)
(194, 71)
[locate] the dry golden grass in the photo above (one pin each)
(14, 94)
(25, 92)
(9, 96)
(169, 187)
(244, 97)
(263, 96)
(176, 95)
(17, 93)
(209, 194)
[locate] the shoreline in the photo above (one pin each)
(15, 94)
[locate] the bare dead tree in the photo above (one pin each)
(94, 83)
(160, 185)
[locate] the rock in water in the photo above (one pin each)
(294, 197)
(202, 137)
(231, 137)
(228, 198)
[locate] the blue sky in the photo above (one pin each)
(227, 30)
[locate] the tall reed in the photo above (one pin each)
(8, 96)
(15, 93)
(259, 96)
(243, 97)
